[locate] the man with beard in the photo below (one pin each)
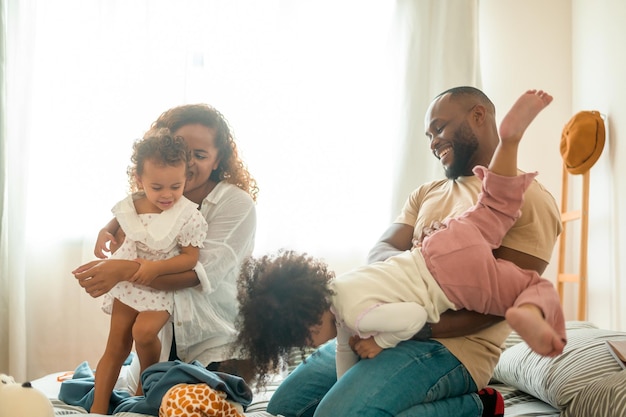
(441, 374)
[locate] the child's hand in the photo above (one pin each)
(146, 273)
(367, 348)
(427, 231)
(105, 239)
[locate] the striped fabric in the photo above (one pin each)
(603, 398)
(556, 381)
(262, 397)
(295, 358)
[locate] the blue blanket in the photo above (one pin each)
(155, 381)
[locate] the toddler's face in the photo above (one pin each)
(163, 184)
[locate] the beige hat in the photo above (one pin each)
(582, 141)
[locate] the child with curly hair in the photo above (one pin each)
(293, 300)
(164, 233)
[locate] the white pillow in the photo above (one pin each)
(556, 381)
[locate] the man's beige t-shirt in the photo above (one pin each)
(534, 233)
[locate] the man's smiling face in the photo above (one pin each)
(452, 140)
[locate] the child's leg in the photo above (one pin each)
(533, 326)
(460, 256)
(497, 208)
(473, 280)
(537, 315)
(538, 318)
(146, 335)
(513, 126)
(119, 345)
(500, 195)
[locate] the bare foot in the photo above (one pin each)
(529, 323)
(522, 113)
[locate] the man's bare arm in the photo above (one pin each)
(459, 323)
(521, 259)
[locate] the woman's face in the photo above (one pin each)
(204, 159)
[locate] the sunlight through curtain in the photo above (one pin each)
(438, 50)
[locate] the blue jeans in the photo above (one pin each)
(416, 378)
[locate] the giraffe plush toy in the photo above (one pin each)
(197, 400)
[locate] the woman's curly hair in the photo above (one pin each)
(281, 296)
(159, 146)
(231, 168)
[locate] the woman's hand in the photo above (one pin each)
(98, 277)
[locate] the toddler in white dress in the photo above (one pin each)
(163, 233)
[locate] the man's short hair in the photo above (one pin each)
(471, 93)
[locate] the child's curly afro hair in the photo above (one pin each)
(281, 296)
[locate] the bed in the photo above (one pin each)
(517, 402)
(586, 380)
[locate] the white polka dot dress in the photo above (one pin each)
(153, 236)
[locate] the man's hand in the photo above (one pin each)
(365, 348)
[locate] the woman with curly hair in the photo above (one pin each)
(205, 304)
(292, 300)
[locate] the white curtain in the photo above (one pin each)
(439, 50)
(326, 99)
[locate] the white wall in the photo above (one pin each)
(573, 49)
(598, 82)
(526, 45)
